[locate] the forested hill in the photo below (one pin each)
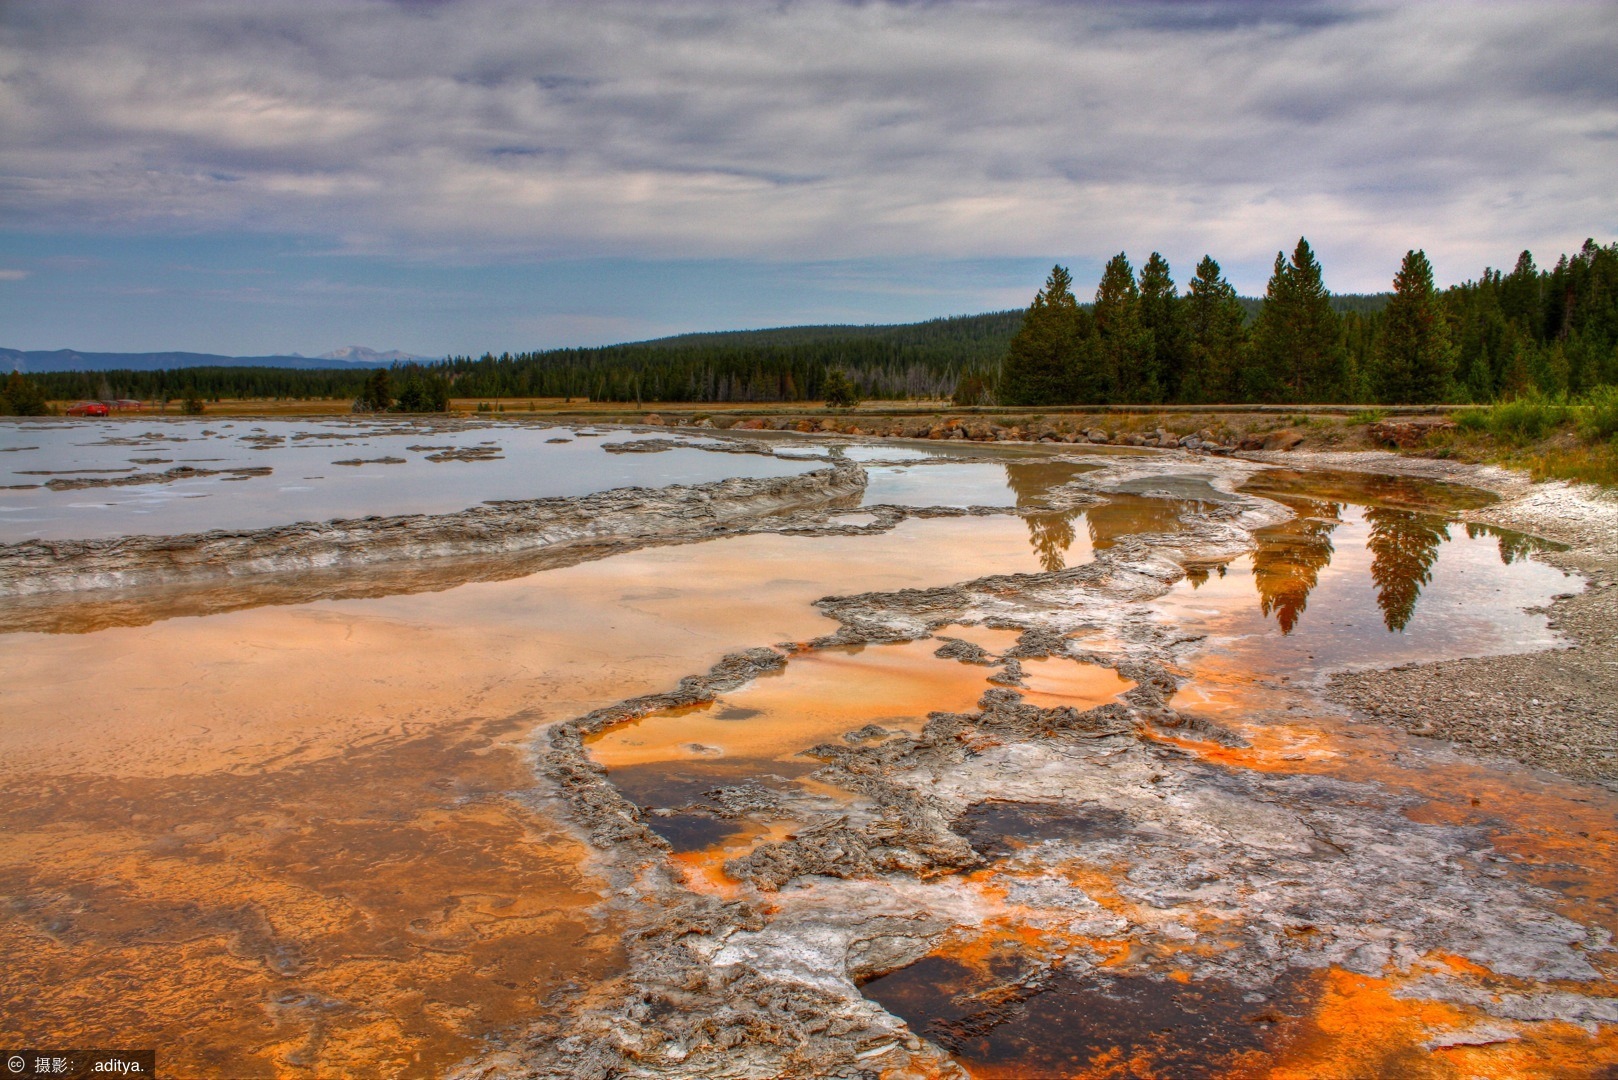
(780, 364)
(986, 334)
(911, 360)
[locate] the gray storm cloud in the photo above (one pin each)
(819, 130)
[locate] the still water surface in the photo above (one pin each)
(319, 471)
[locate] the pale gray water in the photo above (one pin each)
(1021, 481)
(306, 484)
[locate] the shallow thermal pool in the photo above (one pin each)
(319, 470)
(315, 837)
(1370, 573)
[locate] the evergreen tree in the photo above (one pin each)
(1357, 334)
(840, 393)
(1479, 380)
(423, 390)
(1413, 361)
(1215, 335)
(1127, 367)
(1516, 371)
(378, 394)
(1522, 295)
(1297, 356)
(1161, 317)
(1040, 363)
(21, 396)
(1478, 330)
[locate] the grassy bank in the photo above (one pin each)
(1551, 439)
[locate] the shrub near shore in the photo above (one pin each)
(1551, 438)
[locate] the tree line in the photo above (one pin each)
(1142, 341)
(789, 364)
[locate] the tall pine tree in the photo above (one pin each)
(1160, 317)
(1413, 363)
(1041, 361)
(1296, 353)
(1127, 359)
(1522, 295)
(1215, 338)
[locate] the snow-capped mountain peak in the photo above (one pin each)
(361, 353)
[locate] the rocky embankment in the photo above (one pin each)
(1064, 430)
(624, 515)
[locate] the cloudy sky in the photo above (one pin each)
(251, 176)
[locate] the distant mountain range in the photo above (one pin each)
(346, 358)
(359, 354)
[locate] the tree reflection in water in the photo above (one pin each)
(1051, 531)
(1513, 545)
(1406, 523)
(1290, 557)
(1404, 547)
(1052, 534)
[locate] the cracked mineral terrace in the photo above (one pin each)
(1088, 774)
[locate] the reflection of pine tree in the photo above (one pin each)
(1051, 533)
(1127, 515)
(1513, 545)
(1404, 547)
(1289, 559)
